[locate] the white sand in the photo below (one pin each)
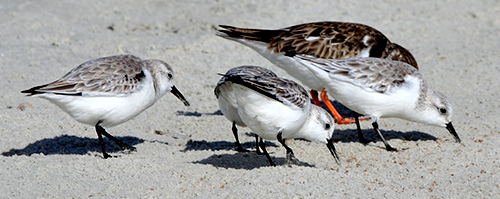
(47, 154)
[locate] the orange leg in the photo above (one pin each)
(338, 118)
(314, 95)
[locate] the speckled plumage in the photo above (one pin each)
(380, 75)
(328, 40)
(378, 88)
(273, 107)
(115, 75)
(245, 72)
(227, 100)
(282, 90)
(109, 91)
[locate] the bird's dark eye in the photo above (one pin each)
(170, 75)
(442, 110)
(327, 126)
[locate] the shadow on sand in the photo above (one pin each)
(201, 145)
(247, 160)
(350, 135)
(71, 145)
(196, 114)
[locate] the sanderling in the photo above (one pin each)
(276, 108)
(108, 91)
(382, 88)
(329, 40)
(227, 101)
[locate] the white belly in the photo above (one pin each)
(110, 110)
(397, 103)
(228, 105)
(266, 117)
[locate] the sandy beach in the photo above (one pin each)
(189, 152)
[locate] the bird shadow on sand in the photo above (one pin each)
(71, 145)
(241, 160)
(202, 145)
(246, 160)
(196, 114)
(370, 134)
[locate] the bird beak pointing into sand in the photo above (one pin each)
(179, 95)
(330, 146)
(450, 128)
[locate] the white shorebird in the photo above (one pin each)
(328, 40)
(108, 91)
(276, 108)
(382, 88)
(227, 99)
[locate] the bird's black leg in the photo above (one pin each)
(263, 147)
(387, 146)
(238, 144)
(100, 130)
(358, 128)
(120, 144)
(289, 153)
(257, 140)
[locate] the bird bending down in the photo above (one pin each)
(108, 91)
(227, 99)
(379, 88)
(274, 108)
(327, 40)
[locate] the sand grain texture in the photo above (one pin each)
(188, 152)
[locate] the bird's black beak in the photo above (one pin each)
(330, 146)
(450, 128)
(179, 95)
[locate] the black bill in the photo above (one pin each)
(450, 128)
(179, 95)
(330, 146)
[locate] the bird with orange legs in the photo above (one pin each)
(327, 40)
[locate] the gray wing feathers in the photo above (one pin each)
(244, 71)
(116, 75)
(375, 74)
(267, 83)
(283, 90)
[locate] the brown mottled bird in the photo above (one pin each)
(327, 40)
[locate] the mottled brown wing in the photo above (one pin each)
(394, 51)
(329, 40)
(115, 75)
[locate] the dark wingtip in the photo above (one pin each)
(226, 31)
(226, 26)
(26, 91)
(261, 35)
(450, 128)
(34, 90)
(42, 89)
